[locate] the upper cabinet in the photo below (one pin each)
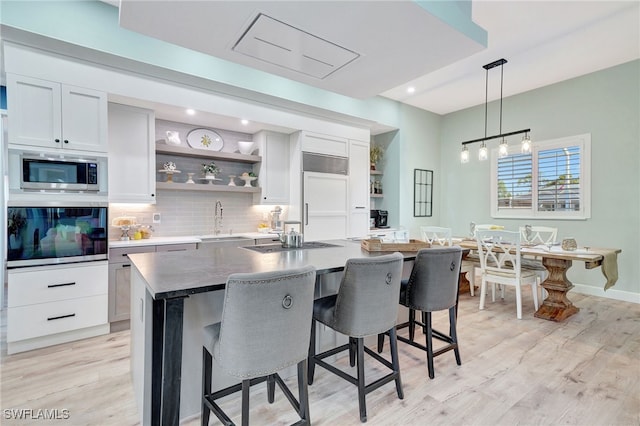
(131, 155)
(54, 115)
(324, 144)
(273, 171)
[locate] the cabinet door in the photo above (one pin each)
(325, 212)
(34, 112)
(358, 189)
(273, 172)
(324, 144)
(131, 154)
(119, 291)
(84, 119)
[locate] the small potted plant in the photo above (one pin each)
(375, 155)
(210, 170)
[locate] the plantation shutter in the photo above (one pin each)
(559, 179)
(514, 182)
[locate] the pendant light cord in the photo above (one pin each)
(501, 79)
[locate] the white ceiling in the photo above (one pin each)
(544, 42)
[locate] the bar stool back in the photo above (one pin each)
(432, 286)
(365, 305)
(265, 327)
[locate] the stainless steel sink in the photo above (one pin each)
(224, 241)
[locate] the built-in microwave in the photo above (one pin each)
(59, 173)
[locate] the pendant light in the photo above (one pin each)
(503, 151)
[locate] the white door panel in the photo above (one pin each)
(325, 206)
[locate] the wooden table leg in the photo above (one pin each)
(556, 307)
(463, 283)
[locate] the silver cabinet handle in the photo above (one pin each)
(306, 213)
(360, 207)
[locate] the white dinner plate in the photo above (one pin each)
(205, 139)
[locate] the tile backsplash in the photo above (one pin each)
(191, 213)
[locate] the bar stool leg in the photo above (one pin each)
(311, 367)
(361, 385)
(429, 344)
(393, 342)
(245, 402)
(454, 334)
(352, 351)
(412, 324)
(271, 388)
(303, 392)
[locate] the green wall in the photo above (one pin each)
(605, 104)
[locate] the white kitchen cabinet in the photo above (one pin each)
(53, 115)
(273, 171)
(132, 177)
(358, 189)
(324, 144)
(120, 279)
(54, 304)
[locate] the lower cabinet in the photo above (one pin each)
(48, 305)
(120, 280)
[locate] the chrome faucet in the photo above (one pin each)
(217, 219)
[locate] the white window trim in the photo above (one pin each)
(584, 142)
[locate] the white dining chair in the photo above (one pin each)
(535, 235)
(440, 236)
(500, 263)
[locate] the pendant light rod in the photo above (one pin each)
(502, 135)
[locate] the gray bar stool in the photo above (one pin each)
(265, 327)
(432, 286)
(365, 305)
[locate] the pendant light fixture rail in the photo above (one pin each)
(483, 153)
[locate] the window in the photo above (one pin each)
(553, 182)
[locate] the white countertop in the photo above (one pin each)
(157, 241)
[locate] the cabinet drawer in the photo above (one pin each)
(120, 254)
(27, 322)
(176, 247)
(48, 284)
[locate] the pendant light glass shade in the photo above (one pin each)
(483, 153)
(526, 144)
(503, 150)
(464, 155)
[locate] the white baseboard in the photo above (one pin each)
(612, 293)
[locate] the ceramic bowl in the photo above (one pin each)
(245, 147)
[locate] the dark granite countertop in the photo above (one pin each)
(179, 274)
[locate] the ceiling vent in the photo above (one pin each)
(277, 43)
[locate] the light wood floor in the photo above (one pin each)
(584, 371)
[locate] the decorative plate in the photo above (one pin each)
(205, 139)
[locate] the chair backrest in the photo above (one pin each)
(499, 252)
(433, 284)
(266, 321)
(489, 226)
(367, 301)
(539, 234)
(436, 235)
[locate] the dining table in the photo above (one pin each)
(557, 261)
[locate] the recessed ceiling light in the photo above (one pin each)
(191, 111)
(411, 89)
(244, 122)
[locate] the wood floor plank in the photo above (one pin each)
(583, 371)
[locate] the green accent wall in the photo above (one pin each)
(605, 104)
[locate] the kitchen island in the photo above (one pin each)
(175, 294)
